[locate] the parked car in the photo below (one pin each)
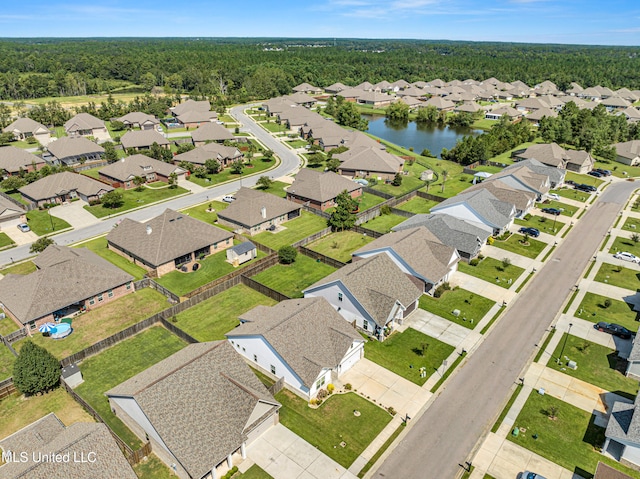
(603, 172)
(552, 211)
(570, 182)
(530, 475)
(595, 173)
(529, 231)
(553, 196)
(625, 256)
(24, 227)
(228, 198)
(587, 188)
(614, 329)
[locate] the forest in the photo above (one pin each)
(238, 70)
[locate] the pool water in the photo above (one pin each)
(60, 331)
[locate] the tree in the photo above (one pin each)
(397, 180)
(427, 114)
(139, 181)
(268, 155)
(200, 171)
(173, 180)
(343, 217)
(6, 138)
(184, 147)
(287, 254)
(212, 166)
(237, 167)
(36, 370)
(41, 244)
(506, 262)
(112, 200)
(264, 182)
(445, 174)
(12, 183)
(398, 111)
(333, 164)
(117, 125)
(315, 160)
(635, 237)
(110, 153)
(349, 115)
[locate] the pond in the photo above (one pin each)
(417, 135)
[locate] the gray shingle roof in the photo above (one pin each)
(624, 422)
(210, 151)
(495, 212)
(12, 159)
(628, 149)
(243, 247)
(191, 105)
(197, 116)
(369, 159)
(67, 276)
(165, 237)
(142, 139)
(138, 165)
(139, 118)
(320, 186)
(309, 334)
(556, 175)
(377, 283)
(550, 154)
(247, 208)
(25, 125)
(211, 132)
(83, 121)
(9, 209)
(54, 185)
(521, 199)
(522, 177)
(199, 400)
(67, 146)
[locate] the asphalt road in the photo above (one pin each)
(447, 433)
(289, 163)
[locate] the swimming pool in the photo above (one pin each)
(62, 330)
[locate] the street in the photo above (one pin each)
(445, 435)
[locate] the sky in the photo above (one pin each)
(599, 22)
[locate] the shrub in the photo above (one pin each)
(385, 210)
(322, 393)
(506, 262)
(397, 180)
(348, 386)
(287, 254)
(313, 402)
(41, 244)
(94, 202)
(490, 240)
(230, 473)
(474, 262)
(391, 410)
(480, 257)
(330, 388)
(35, 370)
(441, 289)
(607, 303)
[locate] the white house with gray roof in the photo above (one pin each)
(303, 340)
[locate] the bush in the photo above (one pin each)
(348, 386)
(385, 210)
(41, 244)
(490, 240)
(287, 254)
(441, 289)
(35, 370)
(94, 202)
(322, 393)
(397, 180)
(391, 411)
(607, 303)
(480, 257)
(330, 388)
(474, 262)
(230, 473)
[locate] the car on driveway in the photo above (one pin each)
(24, 227)
(529, 231)
(603, 172)
(625, 256)
(530, 475)
(228, 198)
(552, 211)
(553, 196)
(614, 329)
(595, 173)
(587, 188)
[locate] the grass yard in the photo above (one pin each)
(566, 209)
(152, 468)
(584, 179)
(618, 276)
(472, 307)
(632, 224)
(596, 365)
(493, 271)
(6, 362)
(40, 222)
(102, 322)
(340, 245)
(119, 363)
(572, 194)
(7, 326)
(135, 199)
(618, 169)
(212, 267)
(334, 422)
(625, 244)
(92, 173)
(255, 472)
(226, 174)
(417, 205)
(571, 440)
(384, 223)
(592, 309)
(453, 186)
(402, 354)
(99, 247)
(211, 319)
(291, 279)
(277, 188)
(410, 182)
(297, 143)
(305, 225)
(5, 240)
(273, 127)
(25, 267)
(365, 201)
(200, 212)
(513, 244)
(544, 224)
(18, 411)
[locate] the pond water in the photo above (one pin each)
(417, 135)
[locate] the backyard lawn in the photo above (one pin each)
(5, 240)
(99, 247)
(119, 363)
(7, 326)
(277, 188)
(102, 322)
(92, 173)
(493, 271)
(295, 230)
(365, 201)
(152, 468)
(383, 223)
(409, 183)
(402, 353)
(200, 212)
(25, 267)
(417, 205)
(42, 223)
(333, 423)
(136, 199)
(472, 307)
(544, 224)
(596, 365)
(515, 245)
(291, 279)
(625, 244)
(6, 362)
(340, 245)
(618, 276)
(212, 267)
(592, 308)
(211, 319)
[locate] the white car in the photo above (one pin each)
(627, 257)
(228, 198)
(24, 227)
(553, 196)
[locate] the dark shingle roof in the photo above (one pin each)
(321, 186)
(68, 146)
(243, 248)
(60, 183)
(247, 208)
(624, 423)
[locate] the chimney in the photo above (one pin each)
(149, 230)
(263, 212)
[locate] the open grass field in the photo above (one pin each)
(492, 271)
(136, 199)
(99, 247)
(592, 308)
(305, 225)
(76, 101)
(618, 276)
(42, 223)
(472, 307)
(226, 175)
(514, 244)
(291, 279)
(384, 223)
(340, 245)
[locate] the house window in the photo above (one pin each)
(255, 358)
(92, 301)
(110, 293)
(100, 297)
(233, 343)
(228, 240)
(244, 350)
(339, 296)
(32, 325)
(129, 285)
(273, 369)
(320, 383)
(365, 325)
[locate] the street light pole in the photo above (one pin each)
(565, 343)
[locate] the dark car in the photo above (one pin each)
(529, 231)
(614, 329)
(603, 172)
(595, 173)
(570, 182)
(551, 211)
(587, 188)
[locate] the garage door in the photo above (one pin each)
(351, 360)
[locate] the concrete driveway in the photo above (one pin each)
(74, 214)
(439, 328)
(19, 237)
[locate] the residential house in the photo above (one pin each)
(352, 94)
(418, 253)
(11, 213)
(536, 116)
(552, 154)
(278, 105)
(319, 189)
(507, 111)
(633, 361)
(143, 139)
(167, 242)
(89, 447)
(523, 200)
(400, 85)
(85, 124)
(366, 161)
(73, 150)
(25, 128)
(623, 433)
(375, 99)
(67, 281)
(335, 88)
(468, 107)
(631, 114)
(14, 161)
(441, 104)
(63, 187)
(195, 118)
(121, 174)
(210, 132)
(137, 119)
(200, 408)
(575, 89)
(411, 102)
(615, 103)
(412, 92)
(520, 177)
(373, 294)
(255, 211)
(365, 86)
(303, 340)
(555, 175)
(225, 155)
(301, 99)
(384, 86)
(190, 105)
(241, 253)
(307, 89)
(628, 152)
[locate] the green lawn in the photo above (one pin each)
(135, 199)
(632, 224)
(291, 279)
(544, 224)
(592, 309)
(365, 201)
(254, 472)
(625, 244)
(572, 194)
(5, 240)
(119, 363)
(472, 307)
(384, 223)
(212, 267)
(102, 322)
(277, 188)
(226, 174)
(571, 440)
(99, 247)
(42, 223)
(402, 354)
(410, 182)
(453, 186)
(513, 244)
(493, 271)
(417, 205)
(340, 245)
(92, 173)
(618, 276)
(305, 225)
(211, 319)
(25, 267)
(333, 423)
(7, 326)
(584, 179)
(596, 365)
(153, 468)
(200, 212)
(297, 143)
(567, 210)
(618, 169)
(273, 127)
(6, 362)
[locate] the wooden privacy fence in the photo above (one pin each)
(262, 289)
(312, 238)
(19, 334)
(277, 386)
(366, 231)
(321, 257)
(7, 388)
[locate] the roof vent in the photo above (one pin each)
(149, 230)
(263, 212)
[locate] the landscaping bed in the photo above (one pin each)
(515, 244)
(291, 279)
(593, 308)
(340, 245)
(305, 225)
(472, 307)
(493, 271)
